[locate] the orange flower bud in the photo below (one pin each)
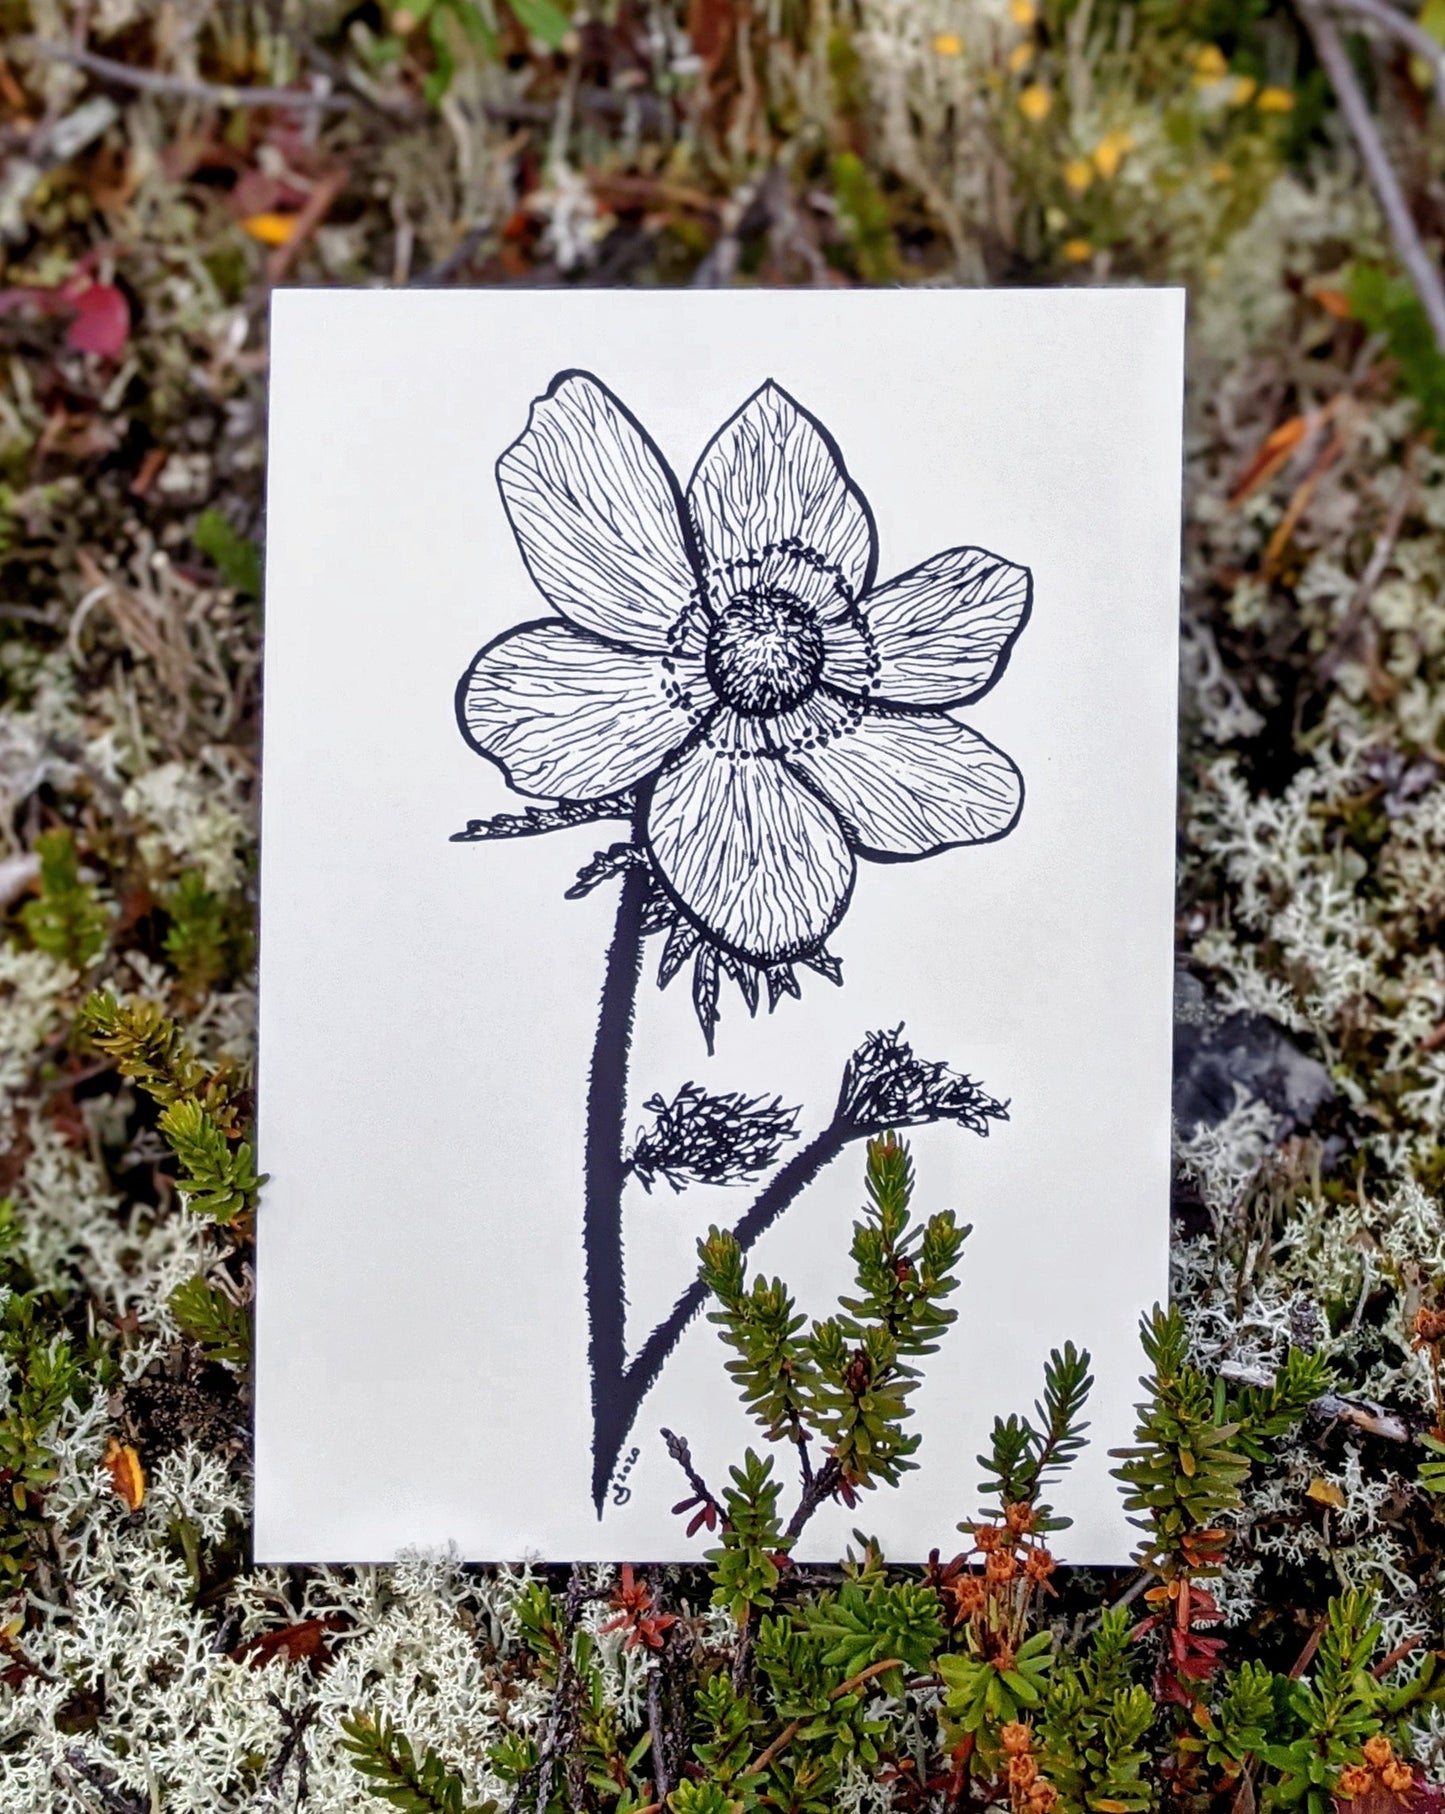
(967, 1593)
(1428, 1327)
(1022, 1773)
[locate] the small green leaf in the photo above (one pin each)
(208, 1316)
(543, 19)
(238, 560)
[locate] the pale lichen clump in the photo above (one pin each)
(193, 816)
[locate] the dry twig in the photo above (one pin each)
(1405, 31)
(152, 81)
(1335, 60)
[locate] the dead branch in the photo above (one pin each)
(153, 81)
(1335, 60)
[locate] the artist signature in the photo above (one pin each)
(621, 1492)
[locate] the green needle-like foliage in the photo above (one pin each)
(218, 1180)
(773, 1372)
(903, 1273)
(146, 1044)
(729, 1721)
(846, 1381)
(1092, 1721)
(825, 1712)
(1023, 1457)
(1431, 1475)
(1265, 1413)
(383, 1754)
(745, 1566)
(1235, 1731)
(1336, 1708)
(209, 936)
(206, 1314)
(702, 1798)
(66, 919)
(862, 1626)
(1186, 1469)
(996, 1691)
(42, 1372)
(200, 1118)
(1195, 1444)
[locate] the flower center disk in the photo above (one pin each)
(765, 653)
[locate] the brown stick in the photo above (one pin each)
(317, 207)
(1374, 570)
(1406, 31)
(1335, 60)
(1307, 1655)
(1397, 1655)
(152, 81)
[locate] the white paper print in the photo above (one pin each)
(767, 854)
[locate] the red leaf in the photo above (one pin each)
(102, 320)
(294, 1643)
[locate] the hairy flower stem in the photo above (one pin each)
(606, 1175)
(618, 1389)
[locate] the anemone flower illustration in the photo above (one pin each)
(727, 654)
(721, 669)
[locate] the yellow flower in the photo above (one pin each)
(1078, 174)
(1109, 153)
(948, 44)
(1241, 90)
(1209, 64)
(1022, 12)
(1222, 172)
(270, 229)
(1019, 58)
(1077, 250)
(1275, 100)
(1035, 102)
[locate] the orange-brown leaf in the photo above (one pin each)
(293, 1643)
(272, 229)
(1274, 450)
(1324, 1492)
(127, 1475)
(1334, 302)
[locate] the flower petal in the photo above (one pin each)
(906, 784)
(569, 717)
(600, 521)
(940, 635)
(772, 478)
(747, 849)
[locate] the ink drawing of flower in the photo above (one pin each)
(725, 655)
